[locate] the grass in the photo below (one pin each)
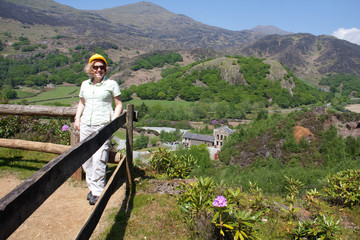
(271, 179)
(121, 134)
(23, 163)
(162, 103)
(64, 95)
(26, 92)
(152, 216)
(309, 83)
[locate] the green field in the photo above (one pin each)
(163, 103)
(64, 95)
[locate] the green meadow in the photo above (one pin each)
(162, 103)
(64, 96)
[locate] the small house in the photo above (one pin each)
(189, 139)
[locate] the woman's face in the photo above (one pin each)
(98, 69)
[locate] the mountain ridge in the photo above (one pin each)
(145, 27)
(307, 55)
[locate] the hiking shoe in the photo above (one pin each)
(89, 196)
(93, 200)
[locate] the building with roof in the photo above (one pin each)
(189, 139)
(219, 136)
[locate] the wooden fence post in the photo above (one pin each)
(129, 145)
(74, 139)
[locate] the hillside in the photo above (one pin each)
(300, 137)
(309, 56)
(130, 31)
(142, 25)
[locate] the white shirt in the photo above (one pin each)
(98, 101)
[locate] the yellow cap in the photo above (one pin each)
(97, 57)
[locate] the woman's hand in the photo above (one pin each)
(79, 111)
(77, 124)
(118, 107)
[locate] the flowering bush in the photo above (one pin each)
(11, 125)
(65, 128)
(214, 122)
(220, 201)
(35, 129)
(65, 135)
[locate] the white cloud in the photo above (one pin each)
(351, 34)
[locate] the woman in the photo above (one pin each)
(93, 112)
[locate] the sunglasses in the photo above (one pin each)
(102, 67)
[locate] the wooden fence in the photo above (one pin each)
(21, 202)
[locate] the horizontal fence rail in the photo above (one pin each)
(39, 110)
(47, 147)
(21, 202)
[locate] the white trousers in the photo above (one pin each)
(95, 166)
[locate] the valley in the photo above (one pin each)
(289, 99)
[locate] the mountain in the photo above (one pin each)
(127, 32)
(308, 56)
(269, 30)
(141, 25)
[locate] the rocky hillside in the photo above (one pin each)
(127, 32)
(143, 25)
(309, 56)
(276, 143)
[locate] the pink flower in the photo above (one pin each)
(65, 128)
(220, 201)
(213, 122)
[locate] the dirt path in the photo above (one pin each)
(63, 214)
(353, 107)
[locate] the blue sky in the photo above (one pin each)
(340, 18)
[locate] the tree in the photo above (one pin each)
(143, 110)
(8, 92)
(141, 142)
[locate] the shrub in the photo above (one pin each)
(170, 164)
(35, 129)
(141, 142)
(28, 49)
(343, 188)
(319, 228)
(170, 136)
